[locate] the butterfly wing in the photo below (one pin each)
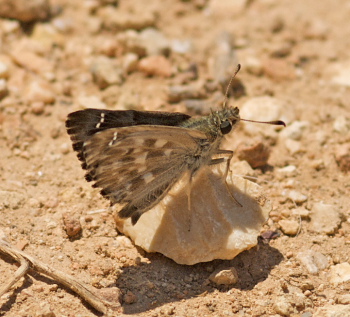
(136, 166)
(81, 125)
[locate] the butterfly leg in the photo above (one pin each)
(189, 190)
(227, 158)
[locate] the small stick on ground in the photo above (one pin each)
(28, 262)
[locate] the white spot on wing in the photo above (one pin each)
(148, 177)
(102, 119)
(115, 135)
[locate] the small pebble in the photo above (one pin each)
(224, 277)
(129, 298)
(3, 88)
(294, 131)
(341, 125)
(253, 65)
(289, 169)
(302, 212)
(331, 310)
(39, 91)
(155, 66)
(313, 261)
(265, 109)
(325, 218)
(71, 225)
(34, 203)
(242, 168)
(282, 306)
(289, 227)
(26, 12)
(111, 295)
(344, 299)
(292, 146)
(129, 63)
(256, 154)
(181, 46)
(30, 60)
(45, 310)
(37, 107)
(342, 157)
(340, 273)
(316, 29)
(279, 70)
(155, 42)
(91, 102)
(65, 148)
(106, 72)
(177, 93)
(296, 196)
(4, 70)
(318, 164)
(138, 18)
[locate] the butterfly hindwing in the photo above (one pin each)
(136, 166)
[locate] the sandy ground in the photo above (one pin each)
(295, 52)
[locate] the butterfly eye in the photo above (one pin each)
(225, 127)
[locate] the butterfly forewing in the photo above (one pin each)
(81, 125)
(136, 166)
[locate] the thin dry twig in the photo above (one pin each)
(28, 262)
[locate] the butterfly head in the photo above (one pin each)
(227, 119)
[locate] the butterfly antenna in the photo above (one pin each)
(229, 85)
(276, 122)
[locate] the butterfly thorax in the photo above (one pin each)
(216, 124)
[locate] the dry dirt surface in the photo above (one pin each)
(174, 55)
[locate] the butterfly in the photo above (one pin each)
(136, 157)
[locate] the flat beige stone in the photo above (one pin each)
(216, 227)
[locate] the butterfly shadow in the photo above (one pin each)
(215, 227)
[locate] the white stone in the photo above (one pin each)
(39, 91)
(91, 102)
(154, 42)
(129, 62)
(341, 125)
(4, 70)
(106, 71)
(265, 109)
(332, 311)
(253, 65)
(289, 169)
(282, 306)
(243, 168)
(289, 227)
(294, 131)
(341, 74)
(224, 277)
(3, 87)
(340, 273)
(302, 212)
(292, 146)
(313, 261)
(296, 197)
(324, 218)
(181, 46)
(216, 227)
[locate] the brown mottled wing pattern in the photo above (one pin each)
(82, 124)
(136, 166)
